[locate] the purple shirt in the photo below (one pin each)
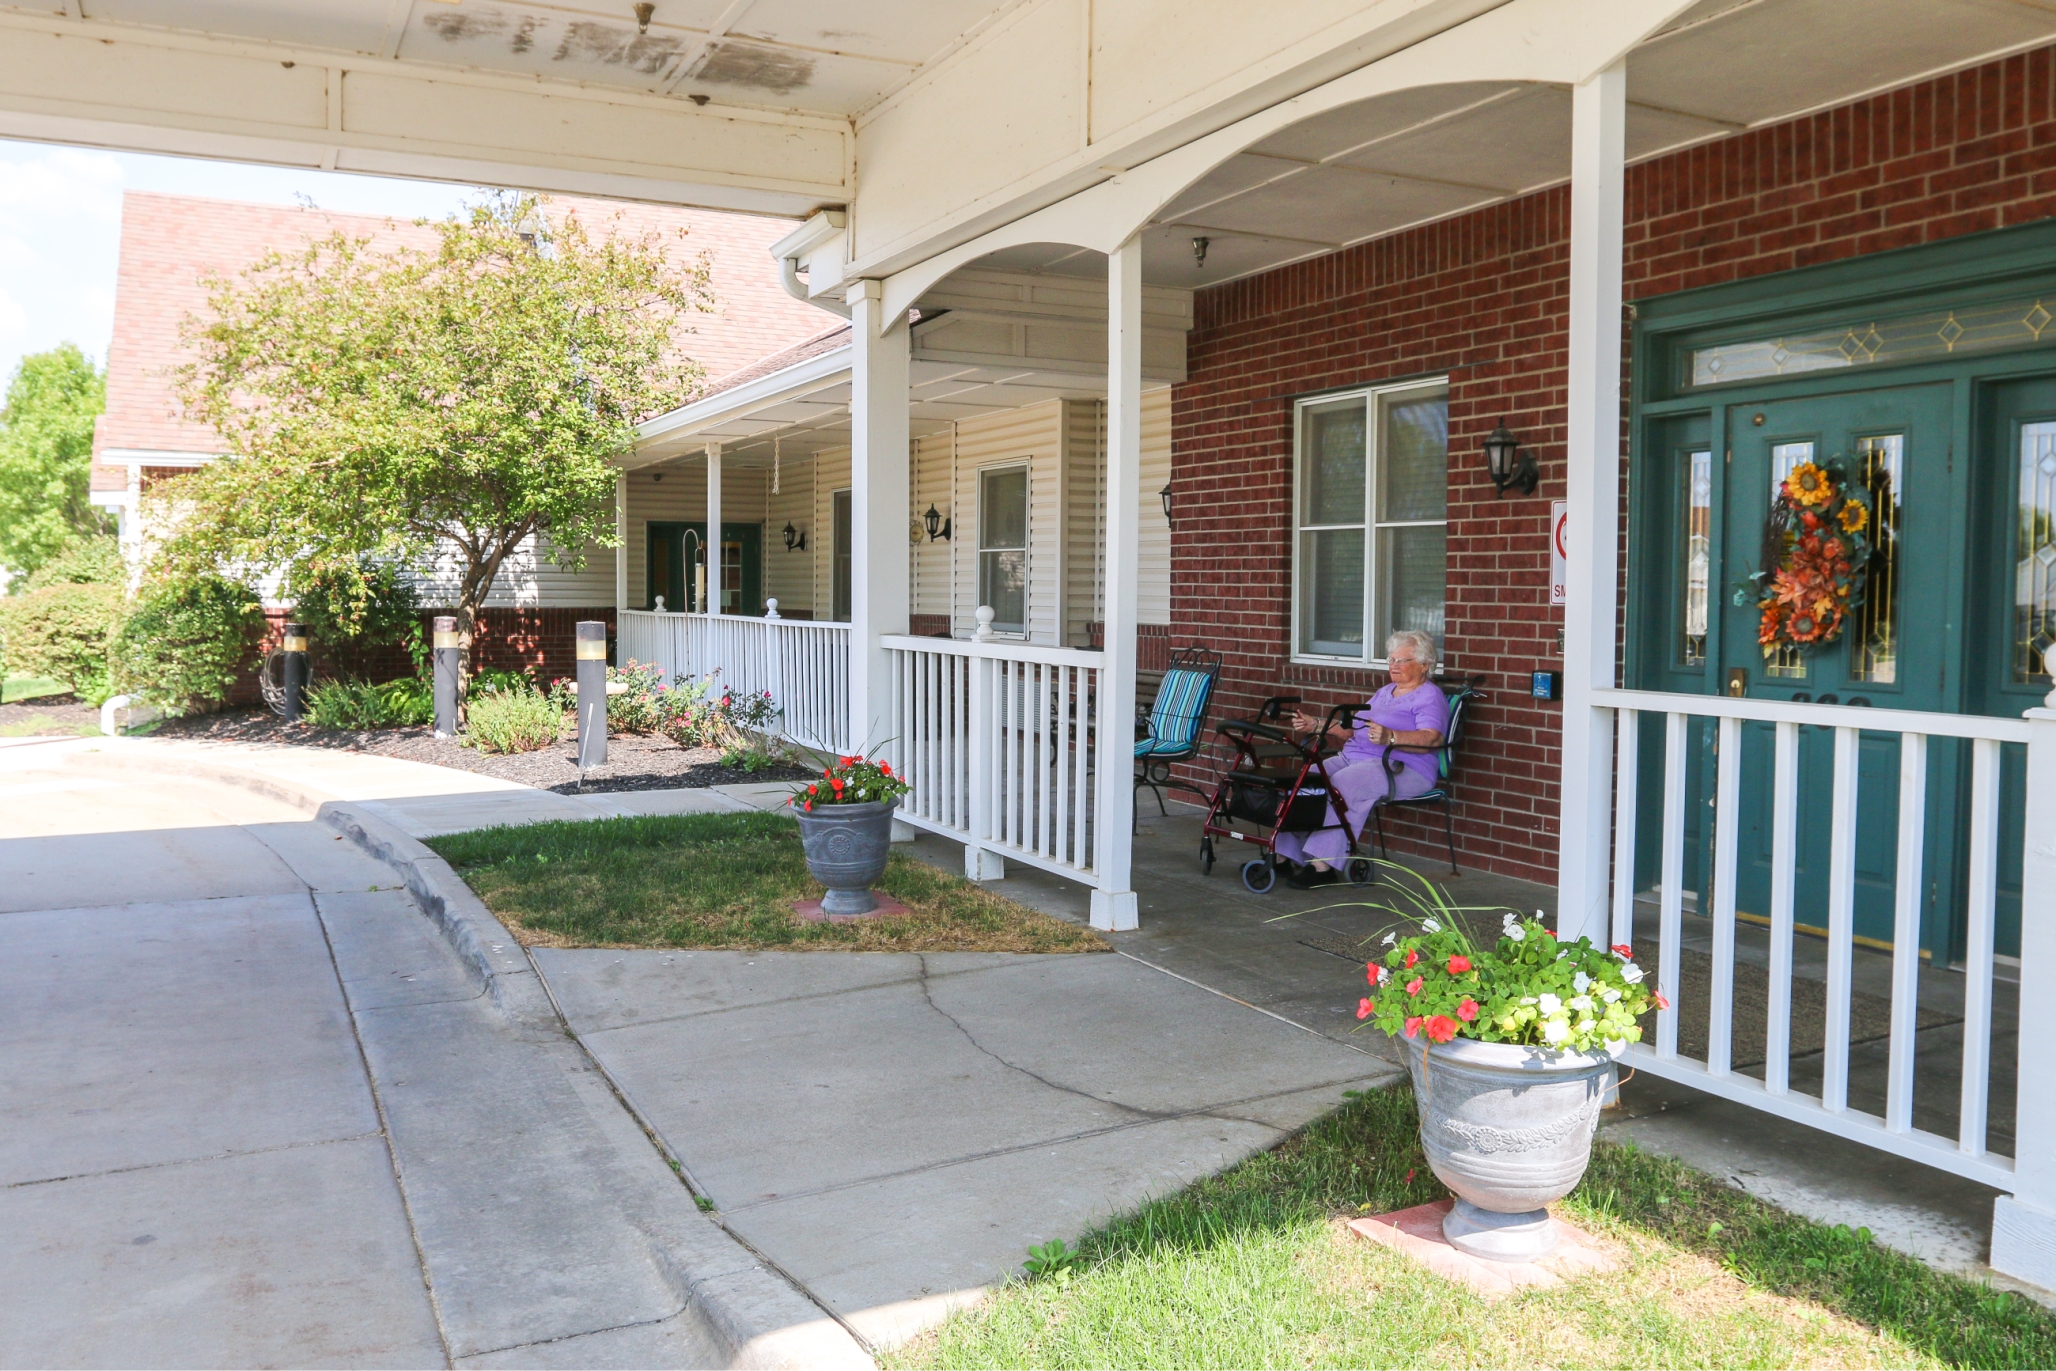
(1425, 706)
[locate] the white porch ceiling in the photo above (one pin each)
(1384, 165)
(835, 58)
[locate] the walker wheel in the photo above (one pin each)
(1206, 856)
(1259, 876)
(1360, 871)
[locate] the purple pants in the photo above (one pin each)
(1362, 784)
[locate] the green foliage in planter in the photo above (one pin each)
(512, 721)
(64, 631)
(405, 703)
(184, 643)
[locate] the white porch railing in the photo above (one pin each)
(997, 740)
(1894, 1130)
(805, 665)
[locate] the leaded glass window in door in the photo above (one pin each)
(1874, 656)
(1698, 553)
(1787, 662)
(2034, 592)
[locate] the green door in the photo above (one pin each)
(675, 562)
(1891, 654)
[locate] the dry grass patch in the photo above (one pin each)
(723, 881)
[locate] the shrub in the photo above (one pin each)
(351, 606)
(496, 680)
(62, 630)
(184, 643)
(643, 706)
(512, 721)
(405, 703)
(81, 562)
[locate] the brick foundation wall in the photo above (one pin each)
(1483, 297)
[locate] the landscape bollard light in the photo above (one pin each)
(592, 694)
(293, 668)
(447, 652)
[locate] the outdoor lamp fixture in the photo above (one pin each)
(795, 540)
(1508, 464)
(937, 526)
(1199, 247)
(1165, 496)
(642, 16)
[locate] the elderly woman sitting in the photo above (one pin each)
(1410, 711)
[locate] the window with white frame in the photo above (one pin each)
(1370, 522)
(1003, 546)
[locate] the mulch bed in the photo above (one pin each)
(64, 715)
(633, 762)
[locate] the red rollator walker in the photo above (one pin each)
(1278, 784)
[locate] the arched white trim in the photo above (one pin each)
(1539, 42)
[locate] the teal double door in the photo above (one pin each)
(1938, 457)
(676, 557)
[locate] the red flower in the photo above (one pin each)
(1375, 974)
(1363, 1009)
(1441, 1028)
(810, 806)
(1409, 1174)
(1413, 1028)
(1661, 1002)
(1413, 987)
(885, 768)
(1550, 933)
(1624, 950)
(814, 789)
(724, 702)
(1412, 956)
(845, 761)
(1459, 964)
(1467, 1011)
(837, 783)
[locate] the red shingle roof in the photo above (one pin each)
(169, 241)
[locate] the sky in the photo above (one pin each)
(60, 227)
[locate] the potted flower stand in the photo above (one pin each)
(845, 821)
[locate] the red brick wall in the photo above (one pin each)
(538, 641)
(1482, 297)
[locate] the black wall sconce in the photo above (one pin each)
(937, 526)
(1508, 465)
(795, 539)
(1165, 496)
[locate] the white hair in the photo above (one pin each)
(1423, 646)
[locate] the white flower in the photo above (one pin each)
(1611, 996)
(1632, 974)
(1555, 1031)
(1581, 982)
(1389, 937)
(1528, 999)
(1616, 1046)
(1508, 921)
(1431, 925)
(1550, 1004)
(1517, 933)
(1583, 1003)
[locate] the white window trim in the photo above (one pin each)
(978, 549)
(1370, 396)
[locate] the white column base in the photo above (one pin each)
(1115, 911)
(983, 865)
(2024, 1242)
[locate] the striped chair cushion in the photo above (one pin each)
(1175, 718)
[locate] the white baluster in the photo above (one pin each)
(1834, 1082)
(1727, 825)
(1784, 854)
(1670, 919)
(1627, 748)
(1981, 910)
(1907, 901)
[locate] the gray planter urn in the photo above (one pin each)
(847, 846)
(1509, 1130)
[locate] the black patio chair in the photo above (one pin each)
(1445, 761)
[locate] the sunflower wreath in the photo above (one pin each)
(1816, 542)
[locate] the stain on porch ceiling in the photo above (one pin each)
(745, 64)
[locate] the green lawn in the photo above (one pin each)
(15, 688)
(722, 881)
(1254, 1268)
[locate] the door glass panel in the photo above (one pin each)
(1332, 607)
(2034, 595)
(1411, 580)
(1003, 548)
(1698, 552)
(1875, 655)
(1336, 451)
(1787, 662)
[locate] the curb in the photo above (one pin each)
(764, 1319)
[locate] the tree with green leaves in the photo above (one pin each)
(403, 403)
(46, 456)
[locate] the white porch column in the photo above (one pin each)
(880, 495)
(1598, 127)
(1113, 898)
(620, 542)
(712, 603)
(2024, 1223)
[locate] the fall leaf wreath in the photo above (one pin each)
(1816, 542)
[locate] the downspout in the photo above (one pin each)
(789, 277)
(824, 228)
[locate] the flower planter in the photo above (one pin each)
(1509, 1130)
(847, 846)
